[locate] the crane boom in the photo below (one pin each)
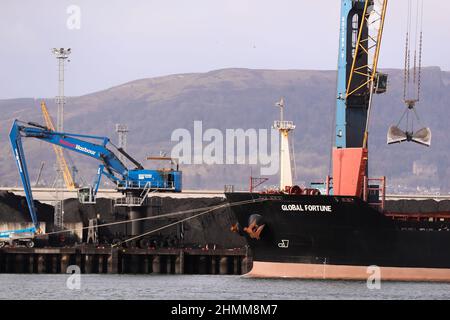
(39, 174)
(62, 163)
(362, 24)
(17, 147)
(129, 181)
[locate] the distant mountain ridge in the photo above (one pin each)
(242, 98)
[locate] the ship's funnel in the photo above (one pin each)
(396, 135)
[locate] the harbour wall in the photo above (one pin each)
(98, 260)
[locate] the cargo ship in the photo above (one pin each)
(339, 237)
(339, 228)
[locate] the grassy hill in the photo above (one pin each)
(242, 98)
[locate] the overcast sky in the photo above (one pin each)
(120, 41)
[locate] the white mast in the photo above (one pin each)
(285, 156)
(61, 55)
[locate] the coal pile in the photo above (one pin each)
(417, 206)
(74, 211)
(15, 209)
(210, 229)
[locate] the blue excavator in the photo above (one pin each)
(135, 184)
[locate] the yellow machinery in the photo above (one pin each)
(62, 163)
(363, 73)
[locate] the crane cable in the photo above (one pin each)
(167, 215)
(407, 50)
(226, 205)
(168, 225)
(420, 52)
(414, 84)
(418, 44)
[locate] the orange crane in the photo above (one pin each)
(62, 163)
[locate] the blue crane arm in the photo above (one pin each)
(74, 142)
(126, 179)
(16, 143)
(111, 166)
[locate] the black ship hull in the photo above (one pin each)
(339, 238)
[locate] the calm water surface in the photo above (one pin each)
(162, 287)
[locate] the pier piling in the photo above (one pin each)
(91, 259)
